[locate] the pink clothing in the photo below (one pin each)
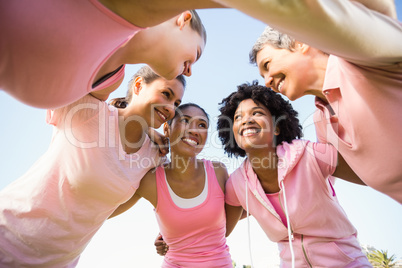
(275, 201)
(51, 51)
(363, 121)
(323, 235)
(49, 215)
(196, 236)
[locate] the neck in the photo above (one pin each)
(319, 61)
(265, 166)
(183, 167)
(131, 131)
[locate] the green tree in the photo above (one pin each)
(380, 259)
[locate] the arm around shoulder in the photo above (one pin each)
(347, 29)
(147, 189)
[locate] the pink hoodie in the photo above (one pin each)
(322, 234)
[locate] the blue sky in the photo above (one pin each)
(127, 240)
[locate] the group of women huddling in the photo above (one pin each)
(103, 157)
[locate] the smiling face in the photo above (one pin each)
(188, 131)
(253, 126)
(287, 72)
(157, 101)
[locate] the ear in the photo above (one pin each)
(137, 85)
(184, 19)
(302, 47)
(277, 131)
(166, 129)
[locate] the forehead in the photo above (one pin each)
(192, 112)
(266, 51)
(249, 104)
(175, 85)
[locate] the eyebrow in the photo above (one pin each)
(172, 92)
(253, 109)
(199, 118)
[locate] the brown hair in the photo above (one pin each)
(148, 77)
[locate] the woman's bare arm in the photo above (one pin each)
(147, 13)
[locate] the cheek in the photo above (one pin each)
(237, 139)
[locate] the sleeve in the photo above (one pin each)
(326, 156)
(343, 28)
(320, 124)
(230, 194)
(77, 113)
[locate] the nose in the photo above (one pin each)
(268, 80)
(192, 129)
(187, 70)
(247, 119)
(170, 109)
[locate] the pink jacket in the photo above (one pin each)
(322, 234)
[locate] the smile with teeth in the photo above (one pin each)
(190, 141)
(250, 132)
(280, 85)
(164, 118)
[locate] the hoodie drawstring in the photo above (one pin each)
(248, 226)
(290, 235)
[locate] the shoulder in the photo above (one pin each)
(78, 112)
(221, 173)
(148, 182)
(220, 169)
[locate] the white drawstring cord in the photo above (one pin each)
(248, 227)
(290, 235)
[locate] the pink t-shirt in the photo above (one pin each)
(196, 236)
(51, 51)
(49, 215)
(364, 121)
(276, 203)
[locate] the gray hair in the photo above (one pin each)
(272, 37)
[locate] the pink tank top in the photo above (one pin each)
(196, 236)
(51, 51)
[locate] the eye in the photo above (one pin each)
(166, 93)
(257, 113)
(237, 117)
(176, 104)
(203, 125)
(184, 120)
(266, 65)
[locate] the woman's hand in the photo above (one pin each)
(160, 140)
(161, 246)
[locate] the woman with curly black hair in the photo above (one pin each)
(285, 182)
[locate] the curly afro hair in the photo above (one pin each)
(283, 115)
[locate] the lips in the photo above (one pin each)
(162, 116)
(249, 132)
(190, 141)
